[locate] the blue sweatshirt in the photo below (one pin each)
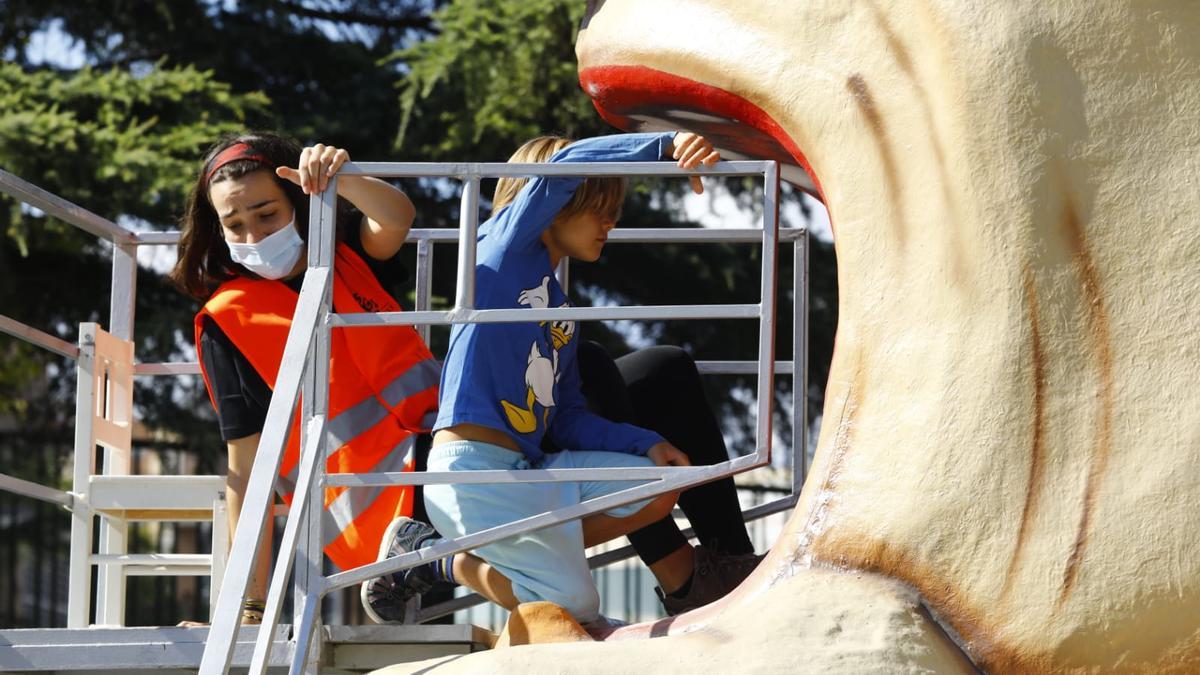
(522, 378)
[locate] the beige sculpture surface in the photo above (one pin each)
(1012, 420)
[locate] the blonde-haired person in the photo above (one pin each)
(508, 388)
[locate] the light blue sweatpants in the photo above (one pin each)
(548, 564)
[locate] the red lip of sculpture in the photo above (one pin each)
(637, 97)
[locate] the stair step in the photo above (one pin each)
(167, 650)
(150, 497)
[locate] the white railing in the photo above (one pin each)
(308, 344)
(310, 337)
(104, 417)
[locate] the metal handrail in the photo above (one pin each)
(38, 338)
(642, 235)
(37, 491)
(423, 237)
(85, 220)
(88, 221)
(66, 211)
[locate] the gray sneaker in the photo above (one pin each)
(396, 597)
(714, 574)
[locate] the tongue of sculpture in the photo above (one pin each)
(1011, 430)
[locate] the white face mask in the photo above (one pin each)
(274, 256)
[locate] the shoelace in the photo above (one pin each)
(388, 592)
(412, 542)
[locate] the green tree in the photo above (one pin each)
(495, 74)
(126, 147)
(317, 60)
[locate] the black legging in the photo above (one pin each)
(659, 388)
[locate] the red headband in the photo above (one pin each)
(234, 153)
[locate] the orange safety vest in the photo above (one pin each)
(383, 389)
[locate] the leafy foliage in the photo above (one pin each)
(123, 135)
(317, 60)
(497, 73)
(122, 144)
(126, 146)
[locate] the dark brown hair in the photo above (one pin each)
(204, 260)
(600, 195)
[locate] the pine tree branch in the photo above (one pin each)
(415, 20)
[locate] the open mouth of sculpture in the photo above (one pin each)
(639, 98)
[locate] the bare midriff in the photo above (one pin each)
(475, 432)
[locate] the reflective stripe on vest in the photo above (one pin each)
(383, 389)
(353, 502)
(368, 412)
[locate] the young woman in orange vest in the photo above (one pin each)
(242, 254)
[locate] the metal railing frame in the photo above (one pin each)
(310, 335)
(308, 343)
(95, 401)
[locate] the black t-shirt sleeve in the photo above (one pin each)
(240, 393)
(391, 273)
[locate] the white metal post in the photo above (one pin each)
(766, 322)
(799, 362)
(313, 446)
(79, 593)
(310, 573)
(424, 289)
(305, 632)
(220, 552)
(468, 216)
(124, 291)
(114, 532)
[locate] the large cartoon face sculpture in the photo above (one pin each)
(1012, 424)
(1012, 420)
